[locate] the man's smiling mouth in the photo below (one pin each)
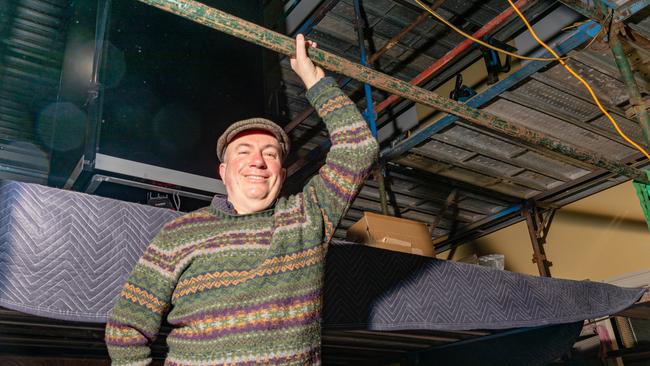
(256, 178)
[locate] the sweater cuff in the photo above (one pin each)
(317, 89)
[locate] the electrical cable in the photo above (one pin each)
(177, 200)
(482, 43)
(575, 74)
(556, 58)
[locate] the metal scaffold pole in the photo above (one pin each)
(253, 33)
(637, 103)
(615, 41)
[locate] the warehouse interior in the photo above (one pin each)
(505, 155)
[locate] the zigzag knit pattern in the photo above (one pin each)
(246, 289)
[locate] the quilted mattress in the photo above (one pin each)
(65, 255)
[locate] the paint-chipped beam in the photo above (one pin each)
(253, 33)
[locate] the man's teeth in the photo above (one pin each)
(255, 177)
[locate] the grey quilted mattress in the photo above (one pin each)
(65, 255)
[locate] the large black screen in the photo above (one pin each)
(171, 86)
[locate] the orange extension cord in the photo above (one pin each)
(575, 74)
(556, 57)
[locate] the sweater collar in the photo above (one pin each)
(221, 203)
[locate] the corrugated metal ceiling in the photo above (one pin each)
(493, 173)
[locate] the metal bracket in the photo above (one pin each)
(538, 223)
(461, 92)
(493, 62)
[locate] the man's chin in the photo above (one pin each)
(263, 202)
(257, 196)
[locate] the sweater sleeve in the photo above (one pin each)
(350, 158)
(137, 314)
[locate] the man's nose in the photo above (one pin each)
(257, 160)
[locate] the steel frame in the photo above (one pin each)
(570, 42)
(424, 75)
(253, 33)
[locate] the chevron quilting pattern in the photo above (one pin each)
(66, 255)
(381, 290)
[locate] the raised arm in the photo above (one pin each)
(353, 150)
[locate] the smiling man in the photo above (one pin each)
(241, 281)
(252, 163)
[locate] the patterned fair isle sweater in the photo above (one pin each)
(246, 289)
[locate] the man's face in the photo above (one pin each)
(252, 171)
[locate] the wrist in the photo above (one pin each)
(311, 82)
(313, 94)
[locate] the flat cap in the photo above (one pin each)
(252, 124)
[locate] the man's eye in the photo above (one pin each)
(271, 154)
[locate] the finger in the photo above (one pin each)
(301, 53)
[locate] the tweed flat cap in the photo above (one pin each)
(252, 124)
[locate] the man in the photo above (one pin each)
(242, 279)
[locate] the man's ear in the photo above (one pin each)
(222, 171)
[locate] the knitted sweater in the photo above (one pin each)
(246, 289)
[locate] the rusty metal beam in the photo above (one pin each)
(537, 229)
(253, 33)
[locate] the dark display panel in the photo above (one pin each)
(172, 86)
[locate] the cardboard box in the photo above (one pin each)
(392, 233)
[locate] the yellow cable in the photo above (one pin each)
(570, 70)
(445, 21)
